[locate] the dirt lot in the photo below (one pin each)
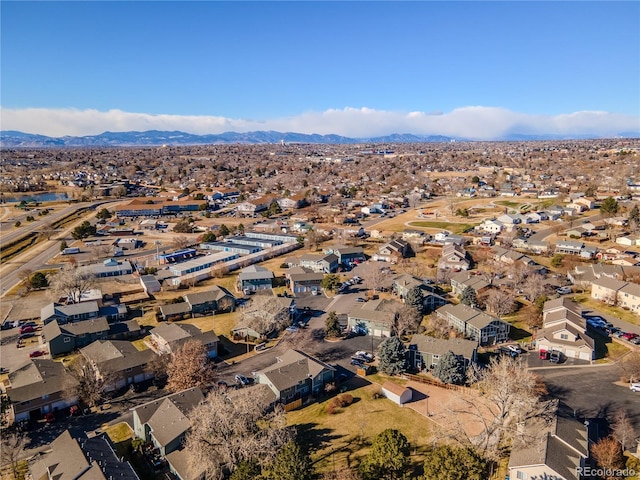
(446, 407)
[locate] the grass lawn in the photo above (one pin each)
(585, 300)
(119, 432)
(342, 439)
(455, 228)
(222, 323)
(507, 203)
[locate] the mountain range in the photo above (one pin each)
(14, 139)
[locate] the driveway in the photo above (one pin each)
(592, 392)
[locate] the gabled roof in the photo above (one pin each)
(440, 346)
(582, 338)
(559, 446)
(292, 368)
(213, 295)
(36, 378)
(181, 332)
(255, 272)
(68, 310)
(81, 459)
(116, 355)
(562, 303)
(167, 416)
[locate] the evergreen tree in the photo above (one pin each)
(332, 325)
(450, 369)
(223, 230)
(63, 245)
(391, 356)
(454, 463)
(468, 296)
(246, 471)
(609, 207)
(330, 282)
(415, 299)
(208, 237)
(38, 280)
(291, 463)
(388, 457)
(634, 217)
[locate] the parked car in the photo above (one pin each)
(635, 387)
(629, 335)
(543, 355)
(635, 340)
(37, 353)
(27, 329)
(7, 326)
(555, 356)
(242, 380)
(563, 290)
(357, 363)
(49, 417)
(619, 334)
(515, 348)
(360, 299)
(366, 355)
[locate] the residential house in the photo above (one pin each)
(569, 247)
(493, 226)
(349, 255)
(83, 458)
(425, 352)
(296, 376)
(564, 330)
(120, 362)
(69, 313)
(39, 387)
(404, 283)
(64, 338)
(319, 263)
(252, 207)
(255, 278)
(454, 257)
(461, 280)
(617, 292)
(164, 422)
(475, 324)
(167, 337)
(215, 300)
(293, 202)
(511, 257)
(393, 251)
(150, 284)
(372, 318)
(558, 450)
(304, 282)
(174, 311)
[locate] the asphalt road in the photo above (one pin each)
(592, 392)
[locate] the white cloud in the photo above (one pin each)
(475, 122)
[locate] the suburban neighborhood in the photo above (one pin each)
(323, 303)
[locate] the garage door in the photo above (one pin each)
(585, 356)
(570, 354)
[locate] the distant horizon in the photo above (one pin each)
(472, 69)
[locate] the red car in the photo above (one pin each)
(37, 353)
(27, 329)
(629, 335)
(49, 417)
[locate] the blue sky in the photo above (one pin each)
(475, 69)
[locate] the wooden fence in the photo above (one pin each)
(436, 383)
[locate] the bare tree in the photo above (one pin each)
(264, 314)
(407, 318)
(376, 278)
(622, 429)
(630, 367)
(86, 383)
(234, 427)
(119, 191)
(47, 231)
(181, 241)
(437, 327)
(72, 283)
(511, 399)
(533, 286)
(190, 367)
(499, 302)
(13, 446)
(609, 456)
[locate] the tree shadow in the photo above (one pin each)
(314, 437)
